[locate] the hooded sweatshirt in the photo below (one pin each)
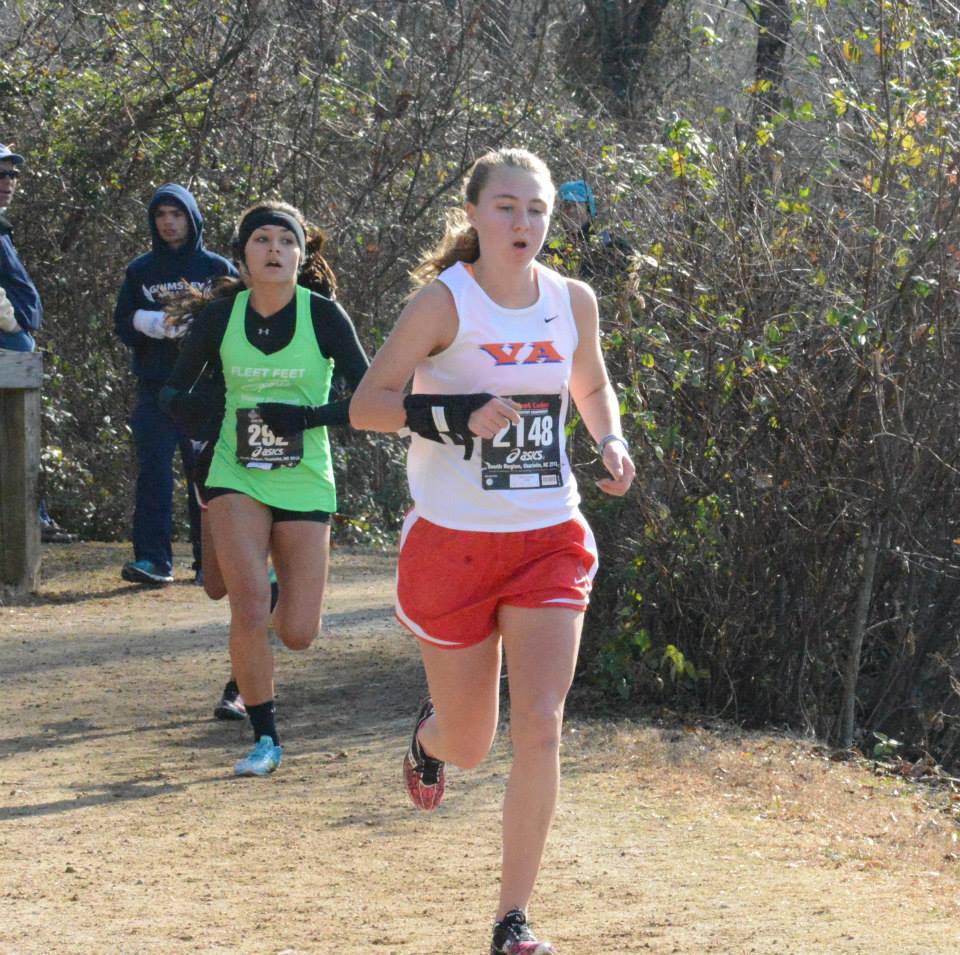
(21, 292)
(159, 275)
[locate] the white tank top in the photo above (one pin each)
(520, 480)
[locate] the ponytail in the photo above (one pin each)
(460, 243)
(315, 272)
(184, 308)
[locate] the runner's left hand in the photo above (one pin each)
(282, 419)
(618, 463)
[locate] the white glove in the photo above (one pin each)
(150, 323)
(175, 331)
(8, 321)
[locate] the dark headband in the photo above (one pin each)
(262, 217)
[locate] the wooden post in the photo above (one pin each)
(21, 375)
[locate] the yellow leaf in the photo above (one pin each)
(851, 52)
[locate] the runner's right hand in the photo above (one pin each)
(493, 417)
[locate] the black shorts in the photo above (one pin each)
(279, 514)
(202, 459)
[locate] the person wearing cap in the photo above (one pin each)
(20, 308)
(600, 254)
(177, 262)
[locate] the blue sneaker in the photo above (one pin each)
(146, 572)
(263, 759)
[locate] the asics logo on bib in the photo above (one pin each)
(523, 353)
(519, 455)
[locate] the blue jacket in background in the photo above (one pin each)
(158, 275)
(22, 293)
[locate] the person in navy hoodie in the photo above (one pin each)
(177, 261)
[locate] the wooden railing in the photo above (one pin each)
(21, 375)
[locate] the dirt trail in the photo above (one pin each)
(122, 831)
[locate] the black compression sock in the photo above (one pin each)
(263, 720)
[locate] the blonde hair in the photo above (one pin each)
(460, 242)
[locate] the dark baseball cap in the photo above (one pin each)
(7, 153)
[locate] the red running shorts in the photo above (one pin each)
(450, 583)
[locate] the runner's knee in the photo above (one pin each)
(466, 747)
(214, 591)
(468, 753)
(297, 637)
(536, 725)
(249, 615)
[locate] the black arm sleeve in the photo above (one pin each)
(194, 395)
(200, 348)
(338, 341)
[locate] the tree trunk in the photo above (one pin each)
(623, 31)
(773, 35)
(871, 547)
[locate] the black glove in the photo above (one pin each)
(433, 416)
(284, 420)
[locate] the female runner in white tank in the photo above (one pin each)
(495, 551)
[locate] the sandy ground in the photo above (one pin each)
(122, 830)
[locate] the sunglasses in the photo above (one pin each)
(9, 174)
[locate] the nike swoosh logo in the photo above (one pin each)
(550, 319)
